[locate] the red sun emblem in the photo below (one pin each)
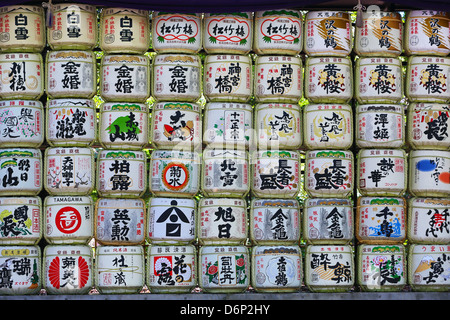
(68, 220)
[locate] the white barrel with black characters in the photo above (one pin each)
(69, 219)
(21, 123)
(382, 172)
(67, 269)
(119, 269)
(328, 79)
(20, 220)
(327, 221)
(21, 270)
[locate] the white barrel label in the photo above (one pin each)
(428, 267)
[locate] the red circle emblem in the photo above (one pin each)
(68, 220)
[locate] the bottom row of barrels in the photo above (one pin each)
(70, 269)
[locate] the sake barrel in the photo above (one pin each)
(68, 269)
(228, 125)
(328, 126)
(426, 79)
(71, 74)
(21, 123)
(274, 221)
(22, 266)
(381, 220)
(228, 78)
(123, 125)
(380, 126)
(74, 27)
(22, 76)
(171, 269)
(427, 220)
(381, 267)
(276, 174)
(176, 32)
(22, 28)
(121, 173)
(174, 173)
(278, 79)
(125, 78)
(378, 80)
(20, 172)
(428, 125)
(120, 221)
(428, 267)
(382, 172)
(176, 125)
(329, 173)
(278, 32)
(71, 122)
(119, 269)
(276, 268)
(124, 30)
(426, 33)
(222, 221)
(327, 33)
(20, 220)
(228, 32)
(328, 221)
(171, 220)
(69, 219)
(329, 268)
(224, 269)
(381, 34)
(328, 79)
(429, 173)
(69, 171)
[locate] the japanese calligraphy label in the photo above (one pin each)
(380, 125)
(121, 173)
(71, 122)
(228, 78)
(381, 220)
(171, 221)
(21, 76)
(278, 32)
(328, 126)
(22, 28)
(20, 172)
(329, 173)
(228, 33)
(276, 268)
(120, 269)
(381, 267)
(74, 27)
(429, 220)
(123, 125)
(21, 270)
(21, 123)
(278, 79)
(328, 33)
(378, 80)
(175, 32)
(69, 220)
(274, 221)
(224, 269)
(428, 126)
(426, 33)
(69, 171)
(222, 221)
(327, 221)
(68, 269)
(20, 220)
(429, 174)
(328, 79)
(120, 221)
(171, 269)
